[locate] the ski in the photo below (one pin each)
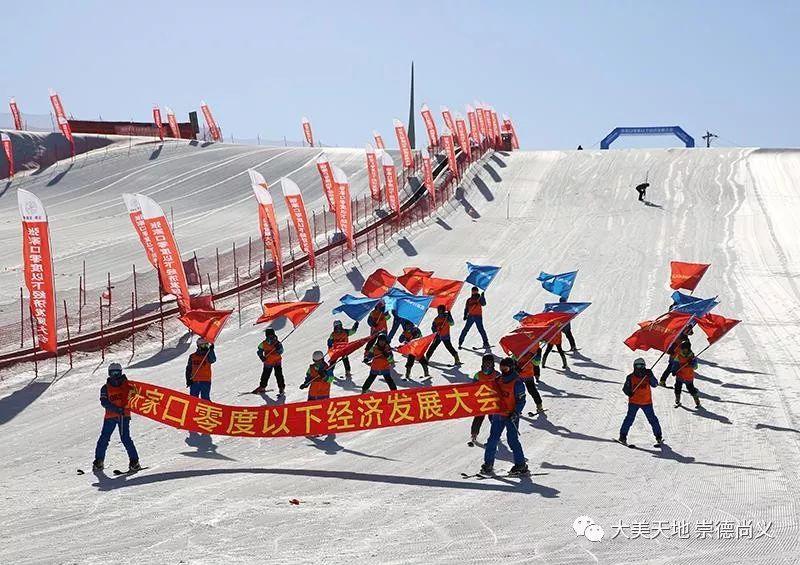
(628, 445)
(500, 475)
(532, 414)
(118, 472)
(474, 443)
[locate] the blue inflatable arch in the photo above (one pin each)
(677, 131)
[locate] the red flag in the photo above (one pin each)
(170, 267)
(495, 126)
(373, 173)
(9, 151)
(430, 126)
(509, 126)
(481, 118)
(38, 269)
(444, 291)
(326, 174)
(307, 131)
(378, 283)
(205, 323)
(135, 213)
(295, 312)
(297, 209)
(518, 344)
(404, 144)
(378, 140)
(173, 124)
(390, 182)
(212, 125)
(686, 275)
(659, 333)
(715, 326)
(344, 206)
(61, 119)
(343, 349)
(201, 302)
(427, 169)
(416, 347)
(449, 147)
(413, 277)
(546, 319)
(463, 139)
(15, 114)
(448, 119)
(474, 127)
(270, 234)
(158, 122)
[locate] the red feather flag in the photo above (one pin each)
(686, 275)
(412, 278)
(295, 312)
(659, 333)
(715, 326)
(344, 349)
(546, 319)
(444, 291)
(378, 283)
(206, 323)
(416, 347)
(518, 344)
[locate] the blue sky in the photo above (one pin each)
(567, 72)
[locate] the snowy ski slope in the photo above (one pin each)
(396, 495)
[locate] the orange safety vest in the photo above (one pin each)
(338, 337)
(319, 384)
(526, 366)
(201, 368)
(482, 377)
(119, 396)
(380, 359)
(474, 307)
(271, 355)
(686, 373)
(378, 322)
(642, 395)
(508, 401)
(442, 325)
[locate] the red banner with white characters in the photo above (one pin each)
(448, 119)
(173, 124)
(427, 170)
(373, 174)
(481, 115)
(8, 149)
(267, 222)
(135, 212)
(212, 125)
(390, 182)
(495, 126)
(321, 417)
(297, 210)
(463, 138)
(170, 267)
(158, 122)
(404, 144)
(474, 127)
(61, 119)
(450, 150)
(326, 175)
(430, 126)
(344, 208)
(15, 114)
(508, 125)
(309, 135)
(378, 140)
(38, 269)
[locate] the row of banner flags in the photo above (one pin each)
(686, 312)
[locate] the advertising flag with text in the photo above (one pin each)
(135, 212)
(430, 126)
(404, 144)
(344, 211)
(309, 135)
(267, 222)
(373, 173)
(15, 114)
(297, 210)
(212, 125)
(390, 182)
(157, 121)
(326, 175)
(173, 124)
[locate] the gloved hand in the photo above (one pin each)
(355, 326)
(514, 417)
(465, 317)
(365, 361)
(302, 386)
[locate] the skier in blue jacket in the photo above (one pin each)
(512, 401)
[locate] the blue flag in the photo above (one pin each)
(519, 316)
(558, 284)
(570, 307)
(355, 307)
(480, 275)
(681, 299)
(697, 308)
(393, 295)
(413, 308)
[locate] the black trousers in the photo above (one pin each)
(477, 421)
(410, 363)
(568, 334)
(530, 384)
(547, 351)
(689, 387)
(346, 363)
(371, 379)
(447, 344)
(267, 371)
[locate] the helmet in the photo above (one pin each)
(441, 309)
(475, 290)
(407, 324)
(487, 360)
(202, 342)
(318, 356)
(269, 333)
(337, 323)
(115, 370)
(382, 338)
(639, 362)
(507, 362)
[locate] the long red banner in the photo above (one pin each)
(344, 207)
(427, 169)
(173, 124)
(430, 126)
(267, 222)
(158, 122)
(372, 173)
(213, 129)
(450, 150)
(135, 213)
(463, 139)
(297, 209)
(334, 415)
(309, 135)
(326, 175)
(390, 182)
(15, 114)
(378, 140)
(9, 151)
(61, 119)
(404, 144)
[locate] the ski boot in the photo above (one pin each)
(696, 400)
(134, 465)
(623, 439)
(456, 361)
(677, 402)
(486, 345)
(408, 374)
(520, 470)
(539, 409)
(659, 441)
(486, 469)
(348, 376)
(663, 382)
(97, 465)
(280, 392)
(426, 374)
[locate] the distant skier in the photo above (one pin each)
(270, 351)
(554, 341)
(441, 327)
(115, 396)
(198, 369)
(473, 314)
(339, 336)
(567, 330)
(377, 322)
(412, 332)
(319, 377)
(486, 375)
(642, 190)
(673, 349)
(637, 388)
(684, 366)
(512, 400)
(528, 371)
(380, 360)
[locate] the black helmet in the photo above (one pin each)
(508, 362)
(269, 331)
(487, 360)
(475, 290)
(407, 324)
(441, 309)
(382, 338)
(337, 323)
